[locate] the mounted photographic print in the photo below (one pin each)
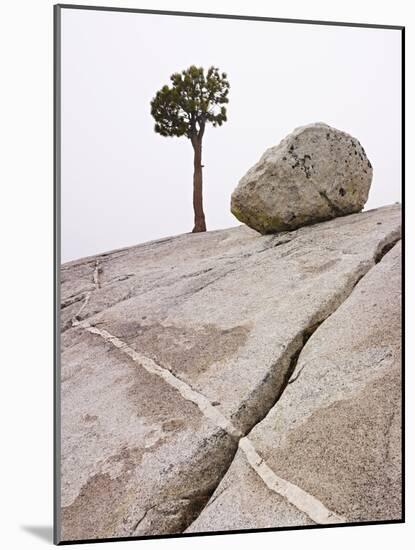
(228, 274)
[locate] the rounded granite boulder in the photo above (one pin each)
(316, 173)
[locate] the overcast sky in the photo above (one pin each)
(123, 184)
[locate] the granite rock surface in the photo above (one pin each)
(174, 350)
(336, 430)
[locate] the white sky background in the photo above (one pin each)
(123, 184)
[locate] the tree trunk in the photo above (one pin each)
(200, 224)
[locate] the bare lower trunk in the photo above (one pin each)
(200, 224)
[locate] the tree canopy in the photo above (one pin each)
(193, 99)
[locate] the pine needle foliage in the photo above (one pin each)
(193, 99)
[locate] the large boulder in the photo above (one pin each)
(173, 350)
(316, 173)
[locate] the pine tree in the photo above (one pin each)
(183, 109)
